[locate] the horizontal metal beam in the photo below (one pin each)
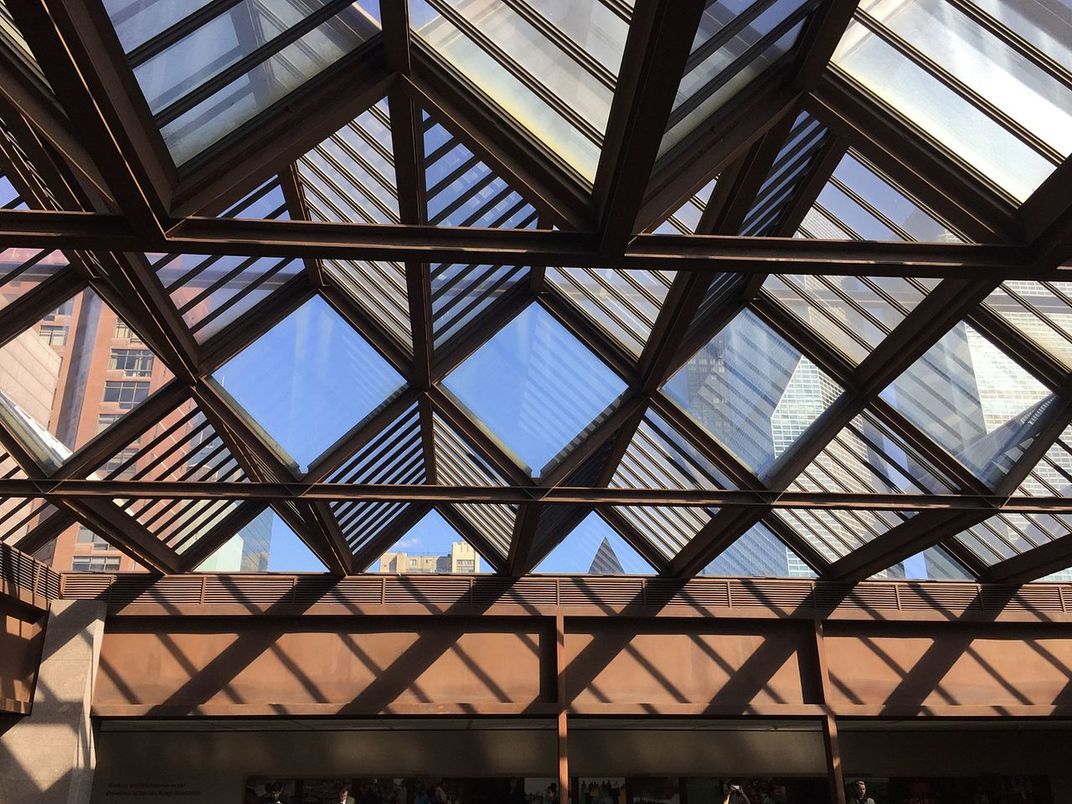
(561, 495)
(463, 245)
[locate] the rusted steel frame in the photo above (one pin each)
(525, 524)
(656, 50)
(1033, 564)
(690, 253)
(595, 496)
(77, 51)
(298, 209)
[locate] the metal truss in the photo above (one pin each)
(92, 168)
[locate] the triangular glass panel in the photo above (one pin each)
(23, 269)
(752, 390)
(787, 173)
(686, 218)
(309, 380)
(973, 400)
(1040, 311)
(205, 72)
(463, 293)
(758, 553)
(854, 314)
(985, 94)
(74, 373)
(460, 464)
(394, 456)
(181, 446)
(563, 58)
(659, 457)
(933, 564)
(536, 387)
(1008, 535)
(350, 176)
(834, 533)
(461, 190)
(860, 202)
(594, 548)
(9, 196)
(288, 552)
(430, 546)
(625, 304)
(249, 550)
(735, 42)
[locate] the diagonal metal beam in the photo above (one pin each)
(656, 50)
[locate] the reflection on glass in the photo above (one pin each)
(758, 553)
(594, 548)
(973, 400)
(205, 74)
(735, 42)
(553, 68)
(752, 391)
(1040, 311)
(309, 380)
(1002, 113)
(62, 378)
(535, 386)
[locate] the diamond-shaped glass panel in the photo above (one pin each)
(431, 546)
(686, 218)
(536, 387)
(752, 390)
(973, 400)
(249, 550)
(594, 548)
(309, 380)
(74, 373)
(933, 564)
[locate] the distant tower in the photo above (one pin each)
(605, 561)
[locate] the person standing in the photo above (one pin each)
(859, 793)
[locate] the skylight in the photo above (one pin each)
(973, 400)
(206, 69)
(752, 391)
(309, 380)
(594, 548)
(551, 67)
(536, 387)
(961, 74)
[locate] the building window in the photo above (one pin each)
(133, 362)
(86, 536)
(123, 332)
(53, 334)
(125, 393)
(64, 309)
(94, 564)
(119, 460)
(106, 420)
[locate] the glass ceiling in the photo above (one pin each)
(987, 79)
(205, 69)
(512, 377)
